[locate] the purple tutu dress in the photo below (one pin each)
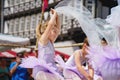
(71, 72)
(44, 67)
(106, 61)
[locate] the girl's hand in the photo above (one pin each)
(53, 11)
(89, 78)
(18, 60)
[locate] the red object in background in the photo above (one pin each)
(12, 54)
(31, 54)
(1, 55)
(8, 54)
(45, 5)
(65, 56)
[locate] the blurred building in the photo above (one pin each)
(22, 16)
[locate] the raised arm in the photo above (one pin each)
(44, 37)
(58, 23)
(79, 66)
(14, 68)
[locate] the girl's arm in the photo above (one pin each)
(91, 71)
(51, 23)
(58, 23)
(79, 66)
(14, 68)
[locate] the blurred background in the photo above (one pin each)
(19, 18)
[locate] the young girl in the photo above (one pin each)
(44, 67)
(47, 34)
(75, 65)
(78, 67)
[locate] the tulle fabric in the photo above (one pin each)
(106, 62)
(72, 73)
(42, 76)
(95, 29)
(39, 67)
(118, 2)
(113, 18)
(69, 73)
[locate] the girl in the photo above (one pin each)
(78, 67)
(44, 67)
(46, 36)
(75, 65)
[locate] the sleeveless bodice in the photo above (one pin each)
(46, 53)
(71, 60)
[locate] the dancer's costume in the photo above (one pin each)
(71, 72)
(71, 68)
(104, 59)
(106, 62)
(44, 67)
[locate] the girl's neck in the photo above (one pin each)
(83, 53)
(51, 41)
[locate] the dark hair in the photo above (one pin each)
(104, 40)
(21, 55)
(86, 41)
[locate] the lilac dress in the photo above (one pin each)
(71, 72)
(106, 60)
(45, 53)
(71, 67)
(45, 63)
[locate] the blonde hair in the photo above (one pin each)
(40, 29)
(86, 41)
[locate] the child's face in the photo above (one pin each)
(54, 33)
(85, 47)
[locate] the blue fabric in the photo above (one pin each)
(20, 73)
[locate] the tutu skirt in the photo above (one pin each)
(41, 68)
(106, 60)
(41, 75)
(74, 74)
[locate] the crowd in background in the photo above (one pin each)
(10, 69)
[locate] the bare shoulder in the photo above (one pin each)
(77, 51)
